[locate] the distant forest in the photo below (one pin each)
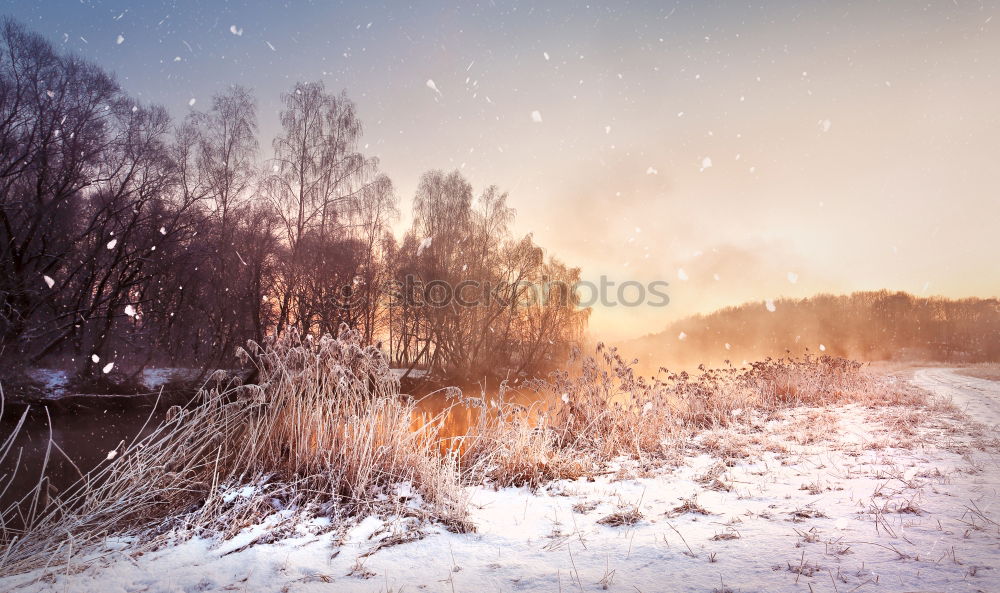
(128, 239)
(878, 325)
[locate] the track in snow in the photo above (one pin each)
(979, 398)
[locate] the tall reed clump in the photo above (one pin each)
(324, 430)
(334, 420)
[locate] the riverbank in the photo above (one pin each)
(711, 481)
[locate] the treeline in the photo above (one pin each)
(127, 239)
(877, 325)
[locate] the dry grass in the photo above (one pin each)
(326, 432)
(688, 505)
(625, 516)
(335, 421)
(600, 410)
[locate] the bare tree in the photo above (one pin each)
(54, 117)
(316, 174)
(84, 176)
(474, 300)
(236, 227)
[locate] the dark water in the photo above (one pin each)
(85, 430)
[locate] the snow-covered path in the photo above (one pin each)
(979, 398)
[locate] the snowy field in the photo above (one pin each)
(844, 499)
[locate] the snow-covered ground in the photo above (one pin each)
(414, 374)
(841, 500)
(979, 398)
(55, 382)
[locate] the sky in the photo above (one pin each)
(739, 151)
